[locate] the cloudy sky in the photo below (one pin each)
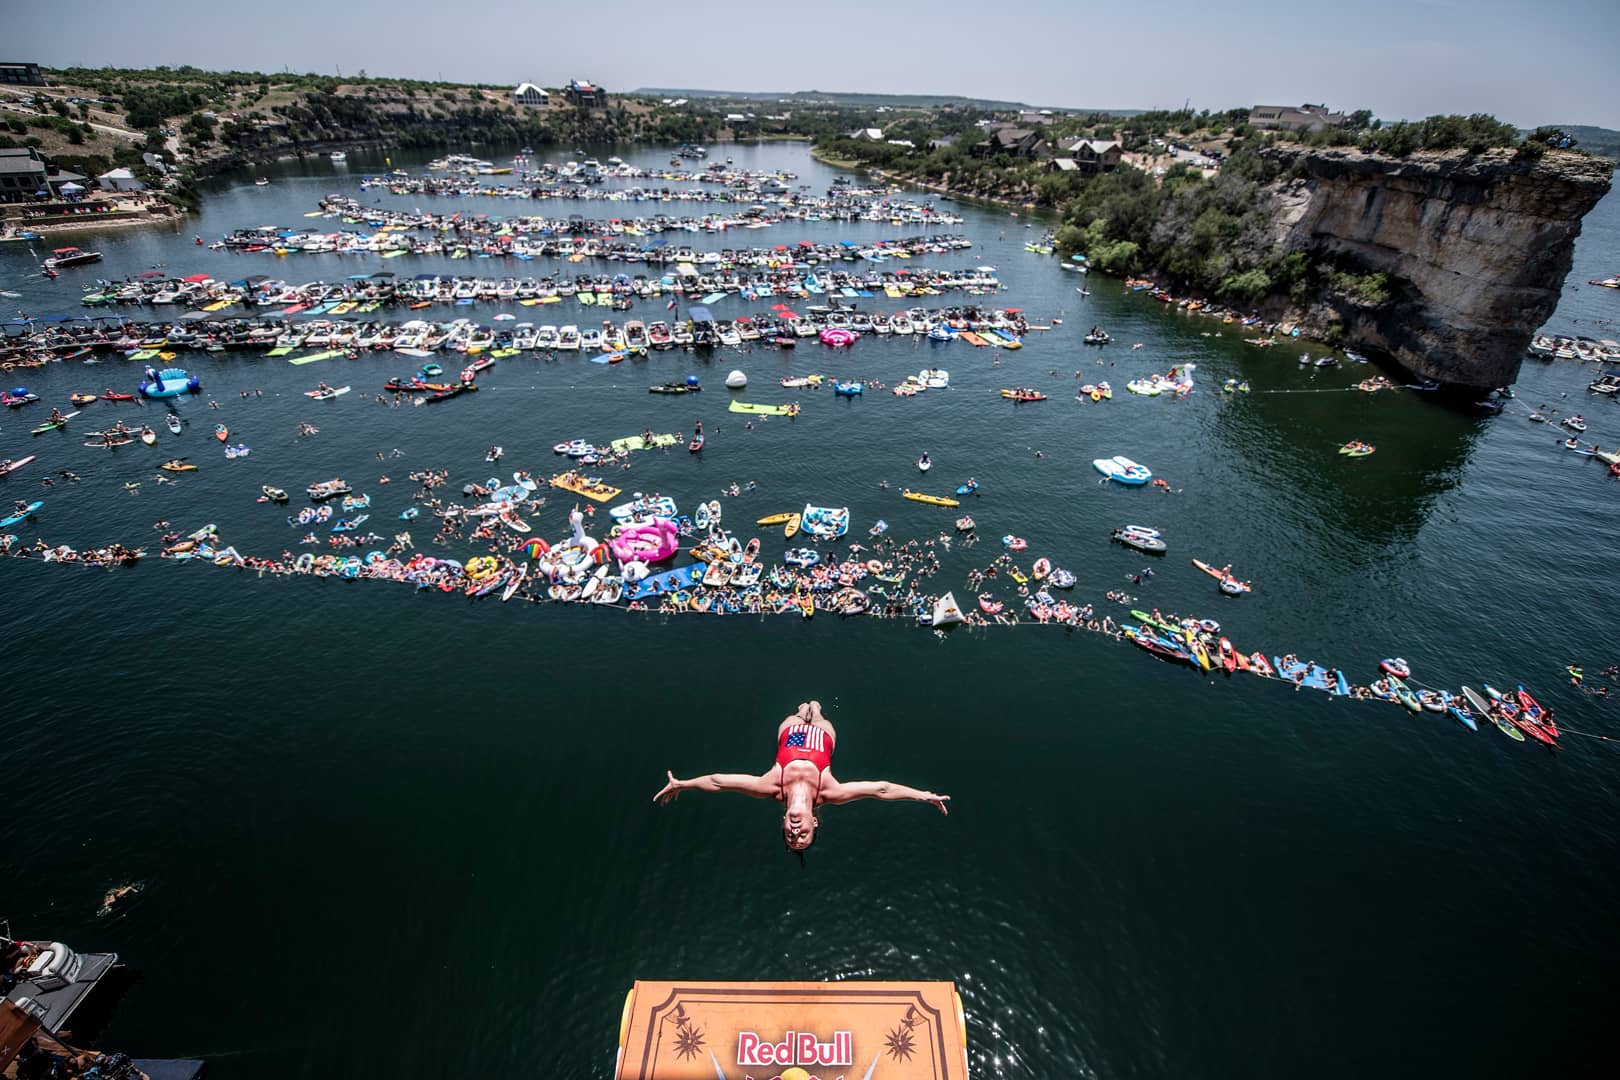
(1529, 63)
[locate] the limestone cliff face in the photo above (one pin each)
(1481, 244)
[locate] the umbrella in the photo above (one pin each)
(504, 317)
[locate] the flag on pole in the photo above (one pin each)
(671, 305)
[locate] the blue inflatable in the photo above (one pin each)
(168, 383)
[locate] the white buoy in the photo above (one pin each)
(736, 380)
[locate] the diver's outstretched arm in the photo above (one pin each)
(760, 787)
(848, 791)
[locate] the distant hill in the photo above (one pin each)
(854, 100)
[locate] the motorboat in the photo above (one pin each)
(49, 980)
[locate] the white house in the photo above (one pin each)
(119, 180)
(531, 95)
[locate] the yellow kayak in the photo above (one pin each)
(932, 500)
(792, 525)
(774, 519)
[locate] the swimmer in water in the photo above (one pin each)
(114, 897)
(801, 778)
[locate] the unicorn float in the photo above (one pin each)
(571, 561)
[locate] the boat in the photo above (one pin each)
(178, 465)
(969, 488)
(848, 389)
(1394, 665)
(112, 395)
(221, 432)
(931, 500)
(1574, 423)
(274, 494)
(1403, 693)
(174, 423)
(1123, 470)
(1141, 541)
(9, 467)
(327, 394)
(47, 981)
(1357, 449)
(696, 445)
(52, 425)
(965, 523)
(81, 399)
(148, 436)
(946, 611)
(674, 388)
(1022, 394)
(774, 519)
(24, 514)
(1229, 584)
(64, 257)
(923, 464)
(791, 526)
(824, 522)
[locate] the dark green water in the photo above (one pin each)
(389, 833)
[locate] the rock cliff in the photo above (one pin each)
(1480, 245)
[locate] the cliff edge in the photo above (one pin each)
(1480, 244)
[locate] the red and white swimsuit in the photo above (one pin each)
(805, 742)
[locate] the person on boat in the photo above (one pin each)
(801, 778)
(56, 415)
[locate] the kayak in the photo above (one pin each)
(52, 425)
(1534, 710)
(791, 526)
(967, 489)
(26, 513)
(177, 466)
(81, 399)
(221, 432)
(174, 423)
(932, 500)
(326, 395)
(7, 470)
(1404, 695)
(774, 519)
(149, 437)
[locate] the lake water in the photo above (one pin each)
(396, 833)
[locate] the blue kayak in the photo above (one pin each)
(966, 489)
(26, 513)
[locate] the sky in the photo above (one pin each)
(1528, 63)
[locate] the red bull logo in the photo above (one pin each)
(796, 1048)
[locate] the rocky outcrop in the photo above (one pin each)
(1479, 245)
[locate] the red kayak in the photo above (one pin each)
(1535, 711)
(1228, 655)
(110, 396)
(1517, 718)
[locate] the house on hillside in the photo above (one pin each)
(588, 95)
(119, 180)
(1288, 118)
(865, 134)
(530, 95)
(22, 173)
(1011, 141)
(21, 74)
(1095, 155)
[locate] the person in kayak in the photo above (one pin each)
(801, 778)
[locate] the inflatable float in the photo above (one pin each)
(169, 383)
(650, 543)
